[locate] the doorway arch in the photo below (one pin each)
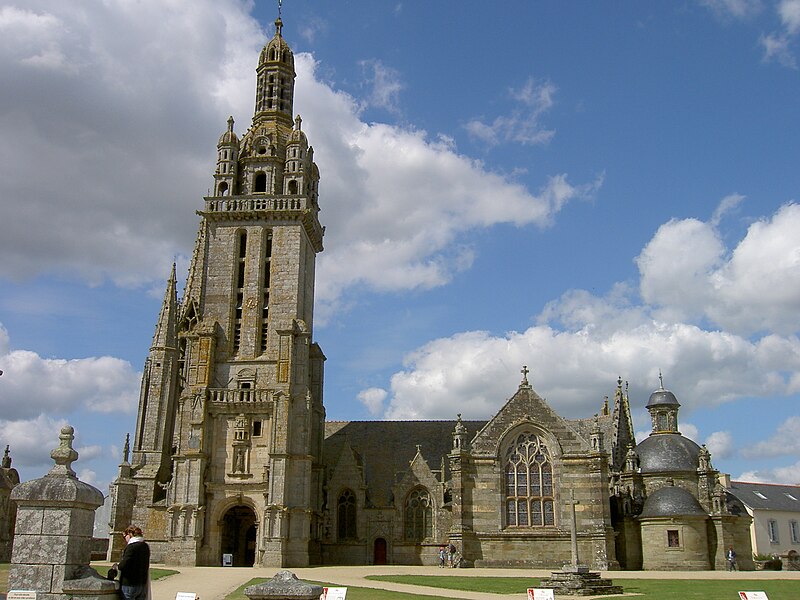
(239, 535)
(379, 554)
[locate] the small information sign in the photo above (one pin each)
(540, 594)
(21, 595)
(329, 593)
(186, 596)
(753, 596)
(227, 560)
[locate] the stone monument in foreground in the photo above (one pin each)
(284, 586)
(575, 579)
(53, 533)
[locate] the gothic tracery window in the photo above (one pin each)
(529, 482)
(346, 516)
(418, 518)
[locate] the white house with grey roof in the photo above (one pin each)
(775, 510)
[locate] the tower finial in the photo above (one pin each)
(278, 21)
(660, 380)
(524, 375)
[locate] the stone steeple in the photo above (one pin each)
(165, 335)
(275, 79)
(156, 417)
(622, 434)
(231, 415)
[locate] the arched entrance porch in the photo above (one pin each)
(238, 535)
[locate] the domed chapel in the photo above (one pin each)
(233, 461)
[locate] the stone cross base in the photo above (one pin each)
(573, 583)
(284, 586)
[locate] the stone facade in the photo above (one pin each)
(501, 491)
(670, 510)
(495, 489)
(226, 456)
(232, 455)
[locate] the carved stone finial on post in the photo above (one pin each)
(64, 455)
(6, 459)
(53, 532)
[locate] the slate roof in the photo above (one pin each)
(667, 452)
(775, 497)
(671, 502)
(386, 448)
(585, 427)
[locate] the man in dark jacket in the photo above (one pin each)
(134, 566)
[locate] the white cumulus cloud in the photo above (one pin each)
(785, 475)
(31, 385)
(373, 399)
(720, 444)
(689, 274)
(784, 442)
(582, 342)
(30, 441)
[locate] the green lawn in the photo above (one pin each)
(655, 589)
(490, 585)
(353, 593)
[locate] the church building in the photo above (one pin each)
(233, 460)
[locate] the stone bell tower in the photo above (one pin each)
(227, 451)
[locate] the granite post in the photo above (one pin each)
(53, 533)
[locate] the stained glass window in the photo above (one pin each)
(529, 483)
(418, 516)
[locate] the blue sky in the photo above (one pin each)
(591, 189)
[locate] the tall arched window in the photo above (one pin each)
(418, 516)
(529, 482)
(346, 516)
